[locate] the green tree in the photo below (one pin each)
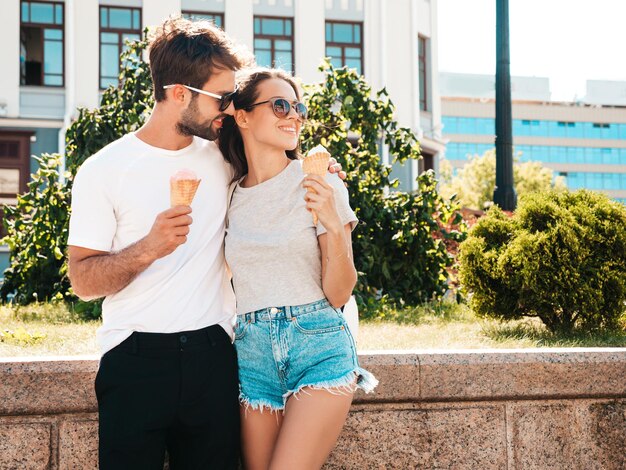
(475, 182)
(400, 245)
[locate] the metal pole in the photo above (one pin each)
(504, 194)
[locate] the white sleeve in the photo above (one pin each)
(92, 222)
(342, 202)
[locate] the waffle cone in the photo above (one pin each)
(315, 164)
(182, 192)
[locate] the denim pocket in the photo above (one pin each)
(241, 327)
(319, 322)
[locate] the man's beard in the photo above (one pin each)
(188, 125)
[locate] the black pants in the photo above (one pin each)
(176, 391)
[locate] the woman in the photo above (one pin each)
(297, 358)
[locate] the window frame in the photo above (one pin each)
(343, 45)
(213, 13)
(42, 27)
(423, 60)
(118, 31)
(273, 38)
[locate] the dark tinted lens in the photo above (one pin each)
(301, 110)
(226, 100)
(281, 107)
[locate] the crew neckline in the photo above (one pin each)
(278, 176)
(169, 153)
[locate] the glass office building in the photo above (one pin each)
(584, 142)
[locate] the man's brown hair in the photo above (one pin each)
(187, 52)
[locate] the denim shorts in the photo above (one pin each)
(281, 350)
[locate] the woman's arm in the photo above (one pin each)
(338, 272)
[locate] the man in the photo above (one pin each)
(168, 375)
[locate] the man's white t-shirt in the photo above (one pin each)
(117, 194)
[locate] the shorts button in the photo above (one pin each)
(183, 338)
(273, 310)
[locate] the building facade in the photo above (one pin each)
(583, 141)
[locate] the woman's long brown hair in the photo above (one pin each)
(230, 140)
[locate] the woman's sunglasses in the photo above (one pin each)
(282, 107)
(224, 100)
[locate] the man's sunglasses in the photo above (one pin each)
(225, 100)
(282, 107)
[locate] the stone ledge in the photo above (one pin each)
(47, 385)
(462, 375)
(65, 384)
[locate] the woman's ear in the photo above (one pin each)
(241, 118)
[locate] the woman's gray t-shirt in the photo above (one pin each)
(271, 242)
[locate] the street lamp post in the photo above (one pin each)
(504, 194)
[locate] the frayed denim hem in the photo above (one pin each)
(344, 385)
(366, 380)
(259, 404)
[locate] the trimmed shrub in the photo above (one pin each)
(561, 257)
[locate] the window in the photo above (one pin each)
(344, 44)
(14, 167)
(41, 44)
(423, 68)
(427, 162)
(273, 42)
(117, 24)
(216, 18)
(449, 124)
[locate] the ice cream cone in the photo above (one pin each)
(183, 187)
(316, 163)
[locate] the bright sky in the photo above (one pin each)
(568, 41)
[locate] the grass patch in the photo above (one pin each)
(45, 329)
(446, 325)
(534, 331)
(54, 329)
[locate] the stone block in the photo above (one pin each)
(24, 446)
(573, 435)
(47, 386)
(78, 445)
(460, 438)
(606, 428)
(398, 376)
(482, 375)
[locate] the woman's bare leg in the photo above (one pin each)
(311, 426)
(259, 431)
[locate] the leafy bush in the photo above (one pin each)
(37, 227)
(400, 245)
(37, 236)
(561, 258)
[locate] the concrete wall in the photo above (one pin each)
(82, 49)
(533, 409)
(10, 59)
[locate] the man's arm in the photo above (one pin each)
(96, 273)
